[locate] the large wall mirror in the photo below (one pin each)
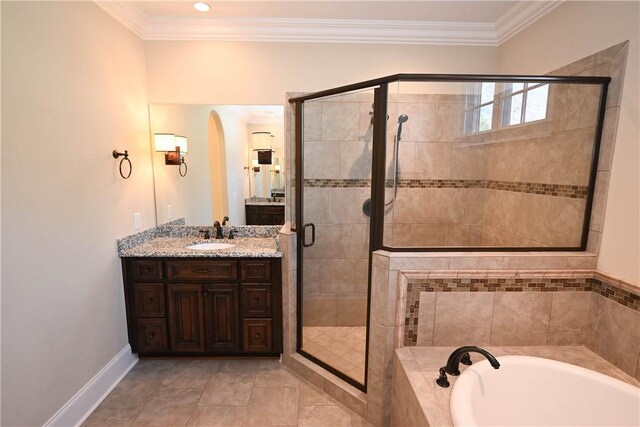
(221, 168)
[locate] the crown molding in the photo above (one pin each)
(521, 16)
(329, 30)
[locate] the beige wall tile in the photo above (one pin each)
(607, 142)
(337, 275)
(433, 160)
(328, 243)
(355, 159)
(319, 311)
(464, 235)
(599, 201)
(417, 235)
(351, 312)
(587, 97)
(340, 121)
(449, 124)
(321, 160)
(612, 337)
(316, 204)
(418, 263)
(426, 318)
(346, 206)
(474, 203)
(468, 162)
(420, 126)
(566, 221)
(569, 319)
(566, 157)
(521, 318)
(446, 206)
(411, 206)
(312, 121)
(463, 318)
(355, 240)
(616, 71)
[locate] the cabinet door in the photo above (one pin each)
(186, 317)
(149, 298)
(221, 317)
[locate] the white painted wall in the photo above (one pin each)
(573, 31)
(73, 89)
(261, 73)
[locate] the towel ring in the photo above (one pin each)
(180, 168)
(125, 156)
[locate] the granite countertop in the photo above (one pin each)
(264, 203)
(421, 365)
(171, 240)
(244, 247)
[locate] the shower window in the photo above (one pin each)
(524, 103)
(479, 113)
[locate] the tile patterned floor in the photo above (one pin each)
(215, 392)
(342, 347)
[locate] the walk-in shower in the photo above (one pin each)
(448, 163)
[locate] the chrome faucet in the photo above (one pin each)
(218, 228)
(461, 355)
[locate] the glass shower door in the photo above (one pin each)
(336, 151)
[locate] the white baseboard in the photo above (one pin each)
(87, 399)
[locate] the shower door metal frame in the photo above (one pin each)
(378, 176)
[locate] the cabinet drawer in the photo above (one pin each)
(256, 300)
(152, 335)
(255, 270)
(222, 270)
(257, 335)
(272, 210)
(146, 270)
(149, 298)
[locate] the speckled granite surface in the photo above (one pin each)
(264, 201)
(420, 366)
(171, 240)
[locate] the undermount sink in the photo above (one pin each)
(212, 246)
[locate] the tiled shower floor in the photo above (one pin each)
(342, 347)
(213, 392)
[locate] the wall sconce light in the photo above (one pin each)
(255, 166)
(276, 169)
(174, 148)
(262, 144)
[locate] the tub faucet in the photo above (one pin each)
(216, 226)
(461, 355)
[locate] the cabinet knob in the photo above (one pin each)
(149, 300)
(205, 293)
(257, 336)
(152, 334)
(256, 300)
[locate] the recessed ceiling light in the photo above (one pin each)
(201, 7)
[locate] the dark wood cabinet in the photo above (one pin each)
(264, 215)
(204, 306)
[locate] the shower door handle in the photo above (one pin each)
(304, 234)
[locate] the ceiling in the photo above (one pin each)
(479, 23)
(444, 11)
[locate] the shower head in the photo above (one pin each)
(402, 118)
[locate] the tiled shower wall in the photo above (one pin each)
(337, 179)
(521, 185)
(438, 202)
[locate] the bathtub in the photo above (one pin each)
(532, 391)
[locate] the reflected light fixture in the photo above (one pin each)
(174, 148)
(201, 6)
(262, 144)
(276, 169)
(255, 166)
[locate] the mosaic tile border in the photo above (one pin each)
(557, 190)
(536, 284)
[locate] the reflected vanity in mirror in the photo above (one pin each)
(225, 177)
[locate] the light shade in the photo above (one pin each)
(164, 141)
(261, 140)
(255, 164)
(181, 141)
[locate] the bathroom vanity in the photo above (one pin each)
(182, 301)
(264, 211)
